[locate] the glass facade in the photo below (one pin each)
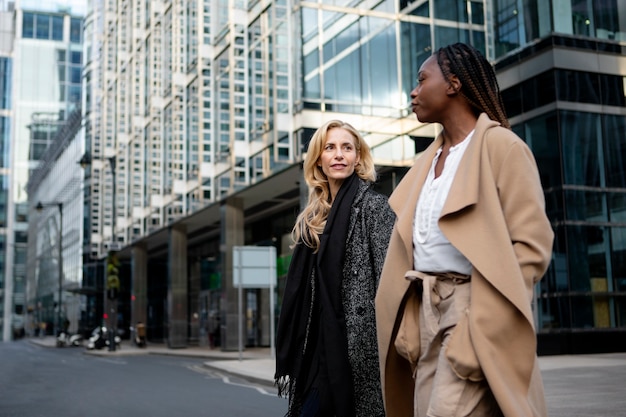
(6, 64)
(44, 74)
(518, 23)
(580, 159)
(572, 116)
(57, 225)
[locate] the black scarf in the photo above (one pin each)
(330, 337)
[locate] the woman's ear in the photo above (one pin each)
(454, 85)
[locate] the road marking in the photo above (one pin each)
(226, 380)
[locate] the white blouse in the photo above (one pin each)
(432, 251)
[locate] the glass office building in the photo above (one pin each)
(561, 68)
(41, 61)
(197, 115)
(6, 68)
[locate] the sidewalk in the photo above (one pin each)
(252, 363)
(575, 385)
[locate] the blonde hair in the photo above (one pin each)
(311, 221)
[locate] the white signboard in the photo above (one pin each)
(254, 266)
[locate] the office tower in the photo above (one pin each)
(42, 55)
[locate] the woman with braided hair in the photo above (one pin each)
(453, 309)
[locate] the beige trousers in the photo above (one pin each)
(439, 392)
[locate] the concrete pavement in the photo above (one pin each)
(575, 385)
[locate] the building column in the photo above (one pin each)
(139, 283)
(177, 288)
(264, 315)
(194, 295)
(232, 234)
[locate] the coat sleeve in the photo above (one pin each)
(523, 204)
(379, 218)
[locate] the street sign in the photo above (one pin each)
(254, 266)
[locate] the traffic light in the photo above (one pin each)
(113, 279)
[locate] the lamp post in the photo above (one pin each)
(109, 303)
(40, 206)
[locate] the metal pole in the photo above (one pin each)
(60, 205)
(113, 304)
(272, 274)
(239, 268)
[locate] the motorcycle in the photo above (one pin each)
(65, 339)
(100, 338)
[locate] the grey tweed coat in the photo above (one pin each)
(371, 223)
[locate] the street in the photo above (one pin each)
(39, 380)
(43, 382)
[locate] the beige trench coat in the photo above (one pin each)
(495, 215)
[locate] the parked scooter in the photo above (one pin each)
(100, 338)
(139, 334)
(66, 339)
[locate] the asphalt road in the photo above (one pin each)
(39, 381)
(42, 382)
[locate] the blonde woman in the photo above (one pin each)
(327, 360)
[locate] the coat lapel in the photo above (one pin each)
(404, 198)
(465, 187)
(356, 209)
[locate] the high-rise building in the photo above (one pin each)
(6, 68)
(197, 115)
(561, 68)
(42, 61)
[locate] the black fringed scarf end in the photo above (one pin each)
(282, 383)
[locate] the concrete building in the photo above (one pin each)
(197, 114)
(42, 65)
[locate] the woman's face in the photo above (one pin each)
(339, 156)
(428, 98)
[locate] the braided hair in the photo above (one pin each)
(479, 85)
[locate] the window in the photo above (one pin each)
(42, 27)
(75, 30)
(28, 25)
(57, 28)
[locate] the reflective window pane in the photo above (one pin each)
(75, 57)
(455, 10)
(42, 28)
(613, 130)
(478, 12)
(448, 35)
(540, 135)
(582, 312)
(57, 28)
(75, 30)
(578, 86)
(28, 25)
(579, 133)
(613, 90)
(586, 255)
(586, 206)
(415, 48)
(380, 69)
